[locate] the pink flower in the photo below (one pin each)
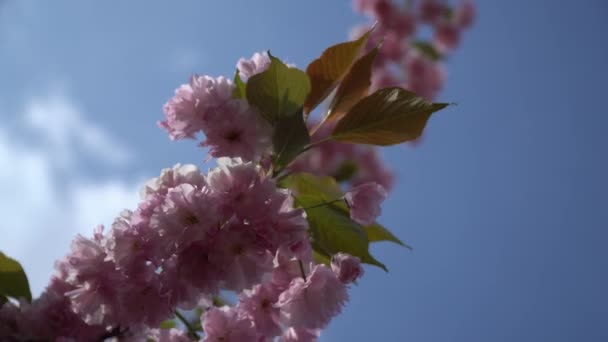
(287, 267)
(50, 317)
(187, 112)
(129, 246)
(142, 298)
(189, 274)
(432, 10)
(172, 177)
(372, 7)
(371, 168)
(231, 182)
(276, 222)
(364, 202)
(313, 303)
(169, 335)
(95, 280)
(403, 23)
(239, 255)
(300, 335)
(425, 77)
(186, 215)
(258, 304)
(346, 267)
(383, 78)
(447, 36)
(236, 130)
(181, 116)
(392, 46)
(332, 157)
(226, 325)
(464, 14)
(258, 63)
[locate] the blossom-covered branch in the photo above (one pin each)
(285, 220)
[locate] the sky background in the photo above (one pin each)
(504, 201)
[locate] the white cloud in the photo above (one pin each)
(94, 203)
(59, 121)
(44, 204)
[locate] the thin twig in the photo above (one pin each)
(324, 203)
(302, 269)
(191, 330)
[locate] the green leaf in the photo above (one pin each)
(240, 90)
(327, 71)
(279, 91)
(330, 222)
(320, 257)
(13, 281)
(376, 233)
(427, 49)
(324, 189)
(168, 324)
(219, 301)
(332, 230)
(346, 171)
(388, 116)
(289, 138)
(354, 87)
(3, 300)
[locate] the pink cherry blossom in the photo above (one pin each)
(143, 300)
(432, 10)
(232, 128)
(237, 130)
(243, 260)
(287, 267)
(346, 267)
(258, 63)
(364, 202)
(300, 335)
(447, 36)
(258, 304)
(464, 14)
(50, 317)
(170, 335)
(331, 157)
(188, 110)
(425, 76)
(193, 236)
(172, 177)
(313, 303)
(96, 280)
(181, 116)
(189, 274)
(225, 324)
(397, 25)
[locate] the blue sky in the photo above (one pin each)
(504, 202)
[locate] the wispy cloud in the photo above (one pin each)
(62, 125)
(43, 203)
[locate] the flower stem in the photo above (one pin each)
(324, 203)
(302, 269)
(191, 330)
(311, 145)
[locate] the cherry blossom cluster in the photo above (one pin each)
(195, 236)
(404, 59)
(354, 164)
(232, 128)
(192, 236)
